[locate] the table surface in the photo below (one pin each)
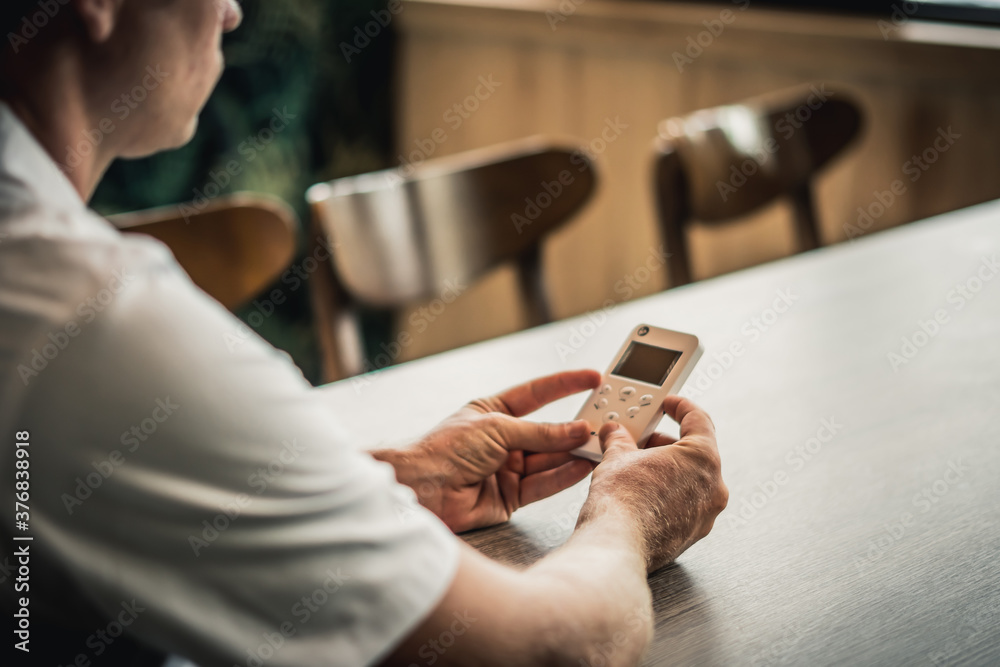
(864, 520)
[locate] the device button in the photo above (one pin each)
(646, 400)
(606, 389)
(603, 403)
(611, 417)
(627, 392)
(632, 412)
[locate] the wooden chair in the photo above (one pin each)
(397, 236)
(722, 163)
(233, 247)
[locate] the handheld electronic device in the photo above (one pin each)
(652, 364)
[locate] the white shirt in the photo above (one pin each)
(202, 481)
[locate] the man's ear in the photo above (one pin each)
(99, 17)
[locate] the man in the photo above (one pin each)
(204, 499)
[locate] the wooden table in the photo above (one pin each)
(864, 519)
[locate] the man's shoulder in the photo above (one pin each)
(64, 256)
(60, 271)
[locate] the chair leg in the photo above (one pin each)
(671, 208)
(340, 351)
(804, 210)
(531, 282)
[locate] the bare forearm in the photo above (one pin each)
(601, 574)
(587, 603)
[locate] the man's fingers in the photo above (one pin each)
(526, 398)
(518, 434)
(695, 423)
(536, 463)
(659, 440)
(544, 484)
(615, 437)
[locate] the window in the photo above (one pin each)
(964, 11)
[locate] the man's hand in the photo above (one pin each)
(645, 507)
(484, 462)
(671, 491)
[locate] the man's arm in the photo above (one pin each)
(589, 600)
(586, 600)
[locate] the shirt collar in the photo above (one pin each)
(24, 159)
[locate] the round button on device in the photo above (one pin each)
(611, 417)
(646, 400)
(606, 389)
(632, 412)
(627, 392)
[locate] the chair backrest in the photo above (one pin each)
(722, 163)
(398, 235)
(232, 246)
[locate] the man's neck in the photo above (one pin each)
(55, 111)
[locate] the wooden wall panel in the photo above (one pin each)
(613, 60)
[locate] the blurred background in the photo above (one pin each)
(368, 85)
(286, 56)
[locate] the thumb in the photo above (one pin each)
(615, 437)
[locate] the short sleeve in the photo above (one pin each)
(192, 474)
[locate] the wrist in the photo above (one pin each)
(605, 520)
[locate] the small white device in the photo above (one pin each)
(652, 364)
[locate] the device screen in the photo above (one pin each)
(646, 363)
